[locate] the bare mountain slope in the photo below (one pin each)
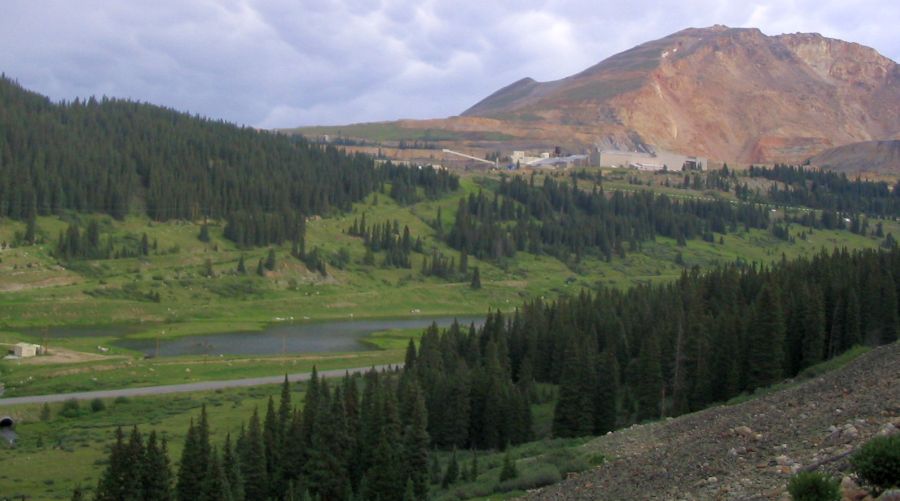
(728, 93)
(746, 451)
(869, 157)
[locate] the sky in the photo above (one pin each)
(284, 63)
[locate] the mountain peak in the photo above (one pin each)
(722, 92)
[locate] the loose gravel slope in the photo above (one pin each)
(747, 451)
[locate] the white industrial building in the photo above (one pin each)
(655, 161)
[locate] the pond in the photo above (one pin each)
(314, 337)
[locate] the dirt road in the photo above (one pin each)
(179, 388)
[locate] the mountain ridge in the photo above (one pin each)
(727, 93)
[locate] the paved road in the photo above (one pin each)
(180, 388)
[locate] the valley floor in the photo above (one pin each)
(746, 451)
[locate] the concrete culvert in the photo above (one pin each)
(6, 430)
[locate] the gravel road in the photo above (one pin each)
(180, 388)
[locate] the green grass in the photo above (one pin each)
(54, 456)
(40, 292)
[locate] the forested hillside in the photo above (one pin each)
(618, 357)
(118, 157)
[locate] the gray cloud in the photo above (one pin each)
(280, 63)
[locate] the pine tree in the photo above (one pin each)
(476, 279)
(509, 471)
(30, 231)
(232, 467)
(118, 481)
(649, 381)
(327, 465)
(270, 260)
(415, 443)
(813, 344)
(385, 475)
(194, 463)
(573, 414)
(272, 449)
(215, 485)
(253, 462)
(204, 233)
(606, 395)
(765, 354)
(260, 269)
(241, 267)
(157, 474)
(434, 470)
(451, 473)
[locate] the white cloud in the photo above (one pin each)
(280, 63)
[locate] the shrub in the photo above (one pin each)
(814, 486)
(70, 409)
(531, 478)
(45, 412)
(509, 471)
(878, 462)
(97, 405)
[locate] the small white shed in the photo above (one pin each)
(23, 350)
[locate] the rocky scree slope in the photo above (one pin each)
(748, 451)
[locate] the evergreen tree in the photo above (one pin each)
(573, 415)
(194, 463)
(649, 383)
(215, 485)
(204, 233)
(509, 471)
(241, 267)
(272, 449)
(270, 260)
(415, 443)
(157, 474)
(118, 480)
(476, 279)
(253, 462)
(451, 474)
(231, 464)
(606, 394)
(434, 470)
(765, 354)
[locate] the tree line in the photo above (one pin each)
(827, 190)
(621, 357)
(341, 444)
(562, 220)
(118, 157)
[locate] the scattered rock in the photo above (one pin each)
(890, 495)
(744, 431)
(887, 430)
(851, 491)
(846, 434)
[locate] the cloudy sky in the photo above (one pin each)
(282, 63)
